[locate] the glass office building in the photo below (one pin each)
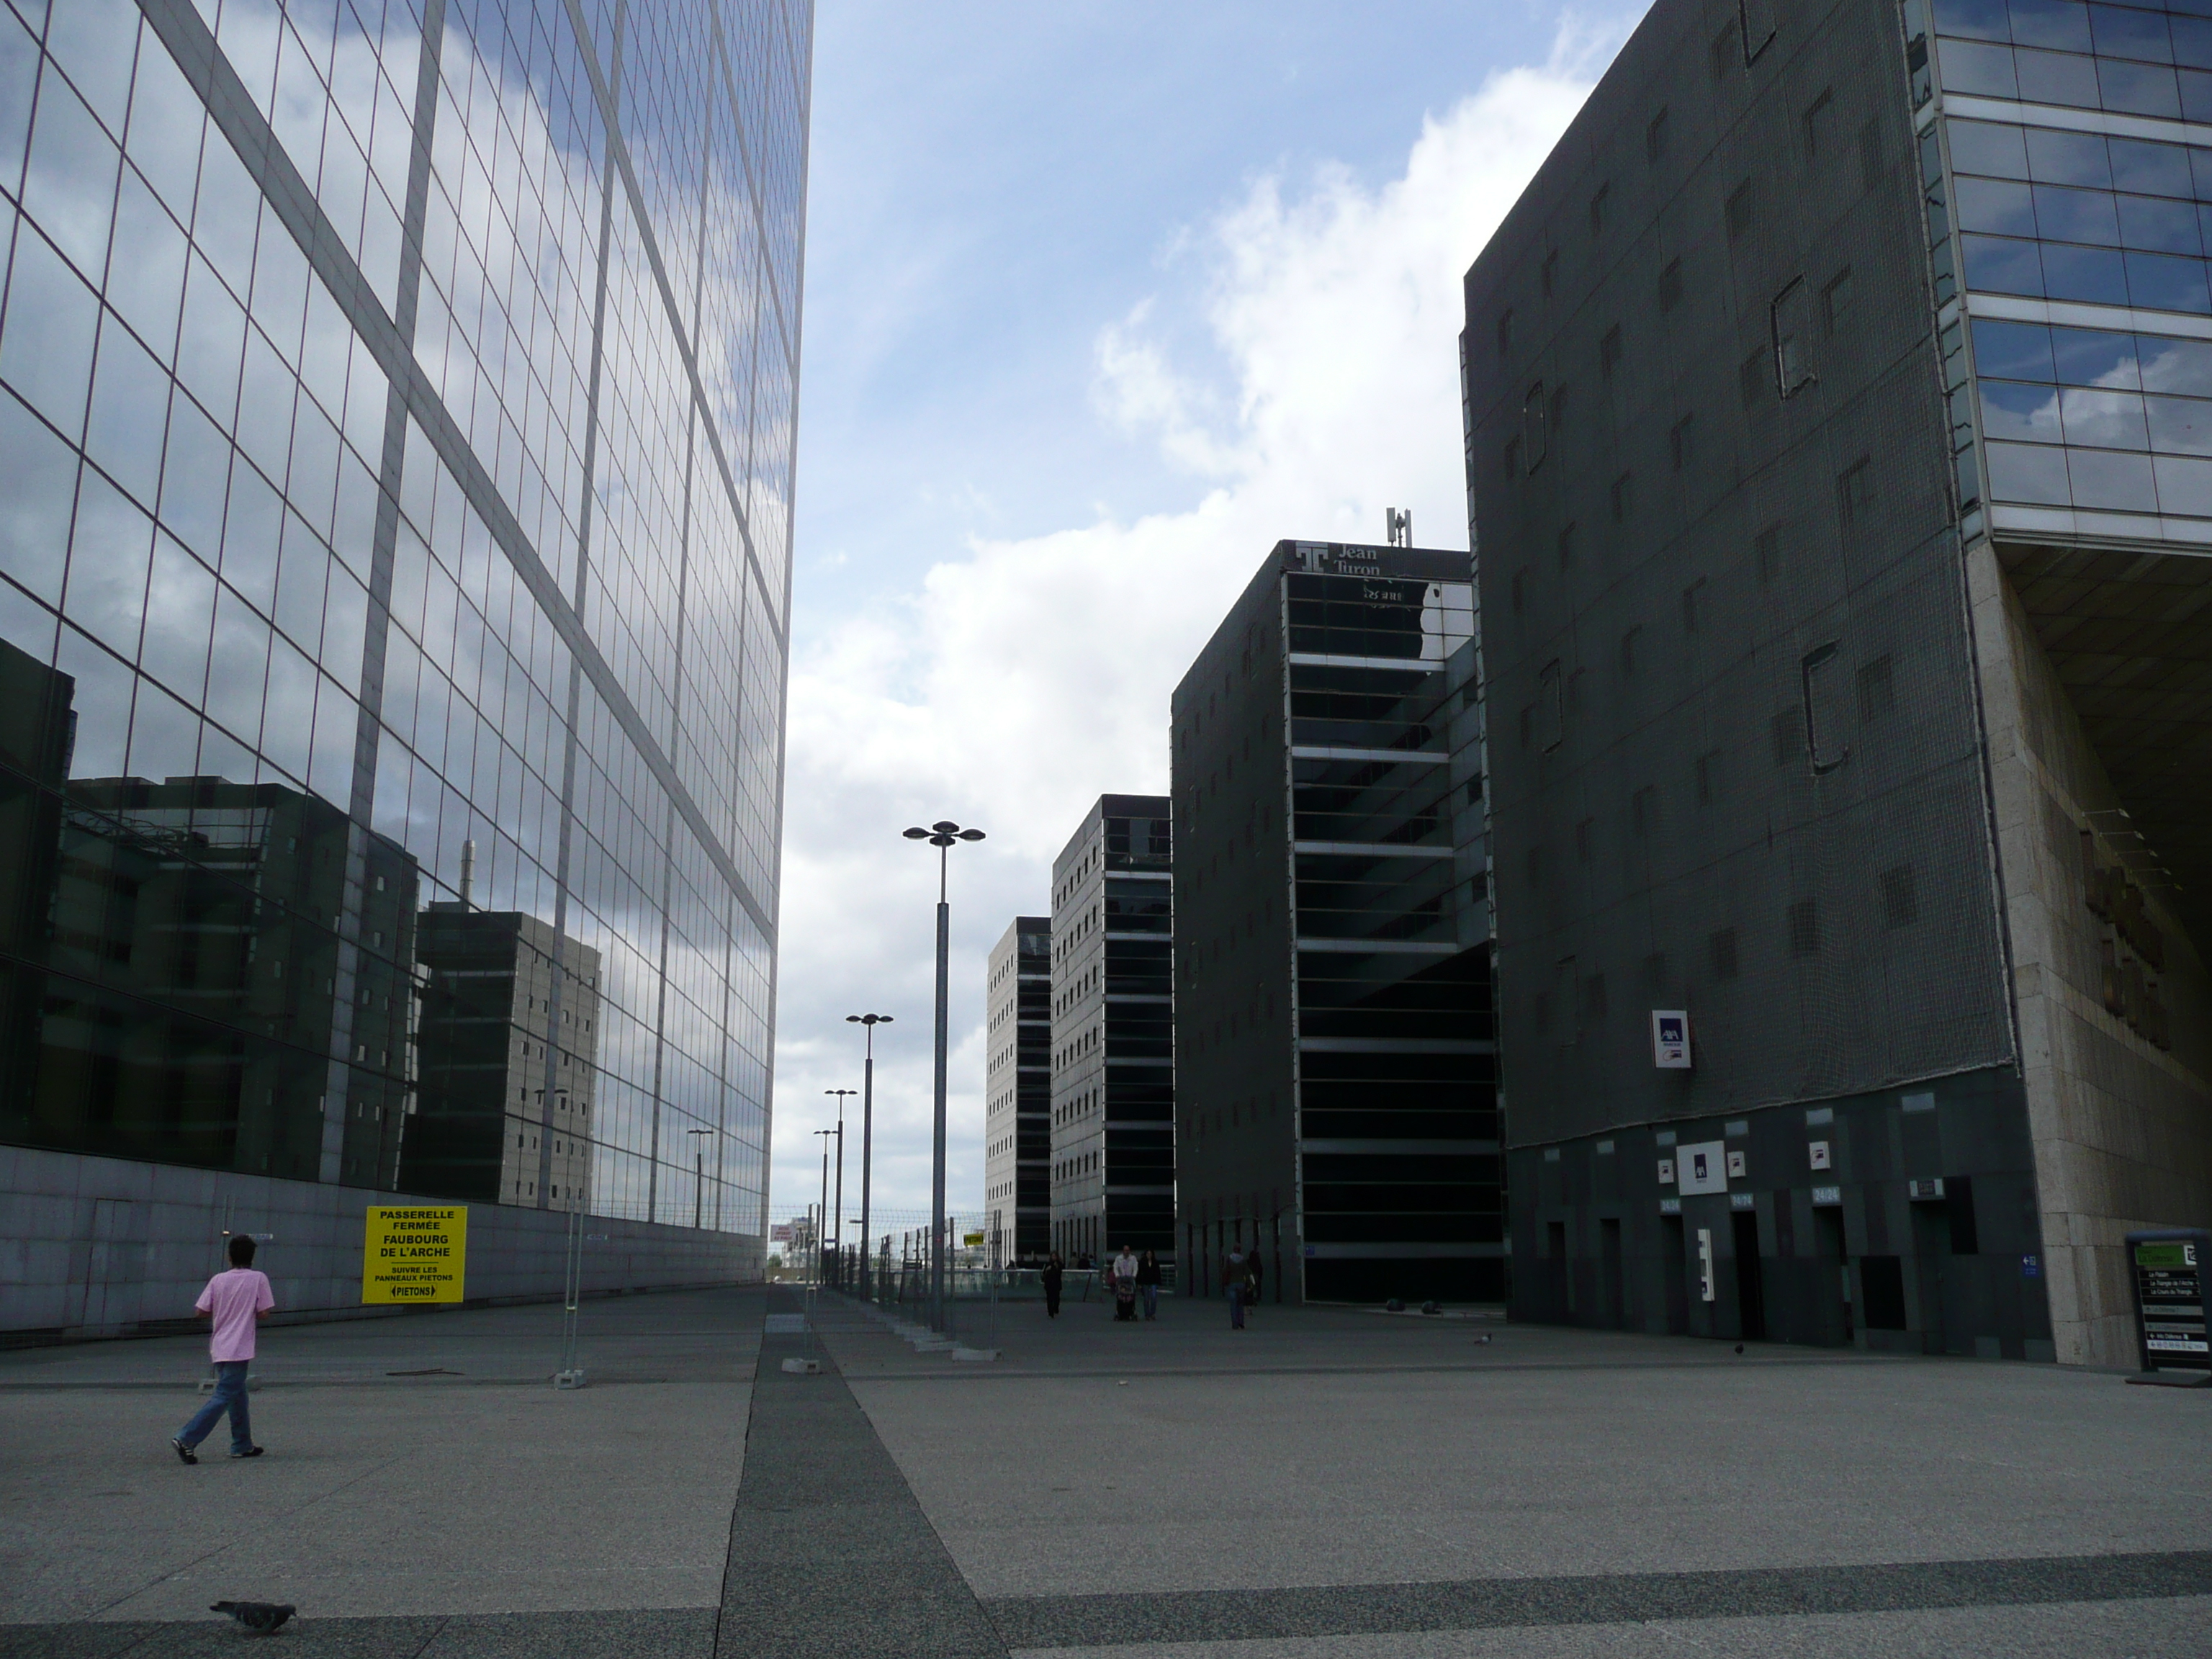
(1336, 1069)
(396, 449)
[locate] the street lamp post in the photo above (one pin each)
(698, 1177)
(867, 1023)
(837, 1246)
(941, 836)
(821, 1216)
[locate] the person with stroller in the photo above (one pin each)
(1123, 1272)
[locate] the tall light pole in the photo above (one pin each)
(822, 1218)
(837, 1235)
(699, 1175)
(867, 1022)
(941, 836)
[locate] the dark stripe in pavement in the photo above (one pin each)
(663, 1632)
(1076, 1621)
(829, 1552)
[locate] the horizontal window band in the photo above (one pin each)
(1411, 757)
(2105, 529)
(2083, 313)
(1360, 947)
(1396, 1046)
(1402, 1148)
(1405, 664)
(2066, 118)
(1401, 1252)
(1381, 849)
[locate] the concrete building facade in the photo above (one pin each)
(1335, 1077)
(397, 415)
(1842, 542)
(1112, 1046)
(1017, 1092)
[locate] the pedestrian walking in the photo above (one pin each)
(233, 1303)
(1234, 1280)
(1054, 1269)
(1148, 1283)
(1124, 1275)
(1253, 1276)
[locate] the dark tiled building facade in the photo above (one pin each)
(1334, 1076)
(1841, 542)
(396, 427)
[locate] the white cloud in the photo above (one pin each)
(1025, 677)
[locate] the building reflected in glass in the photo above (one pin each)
(396, 426)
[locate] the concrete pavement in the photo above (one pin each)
(1326, 1484)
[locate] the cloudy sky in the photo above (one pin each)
(1103, 300)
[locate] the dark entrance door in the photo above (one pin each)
(1750, 1281)
(1673, 1250)
(1616, 1299)
(1832, 1263)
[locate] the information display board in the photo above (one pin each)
(2167, 1268)
(418, 1255)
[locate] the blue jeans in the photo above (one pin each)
(1151, 1302)
(229, 1396)
(1236, 1307)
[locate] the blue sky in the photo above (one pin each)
(1101, 301)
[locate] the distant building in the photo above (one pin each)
(503, 1112)
(1112, 1150)
(1335, 1077)
(1018, 1091)
(1836, 396)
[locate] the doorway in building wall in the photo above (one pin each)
(1609, 1262)
(1674, 1273)
(1750, 1280)
(1832, 1266)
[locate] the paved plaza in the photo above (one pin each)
(1326, 1483)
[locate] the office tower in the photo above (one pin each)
(1113, 1147)
(1334, 1086)
(1833, 396)
(396, 404)
(1018, 1091)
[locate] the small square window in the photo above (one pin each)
(1805, 928)
(1741, 211)
(1597, 209)
(1877, 689)
(1721, 947)
(1835, 301)
(1898, 904)
(1819, 118)
(1548, 273)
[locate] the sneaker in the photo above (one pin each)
(185, 1454)
(251, 1451)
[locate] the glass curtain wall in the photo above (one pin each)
(396, 425)
(2082, 214)
(1400, 1166)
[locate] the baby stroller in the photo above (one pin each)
(1125, 1296)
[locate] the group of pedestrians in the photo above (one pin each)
(1132, 1277)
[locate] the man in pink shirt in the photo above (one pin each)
(234, 1301)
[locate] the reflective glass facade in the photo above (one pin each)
(2069, 168)
(1017, 1092)
(396, 427)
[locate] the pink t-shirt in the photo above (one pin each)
(233, 1298)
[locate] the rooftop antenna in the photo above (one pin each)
(468, 870)
(1398, 526)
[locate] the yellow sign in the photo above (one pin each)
(414, 1255)
(972, 1241)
